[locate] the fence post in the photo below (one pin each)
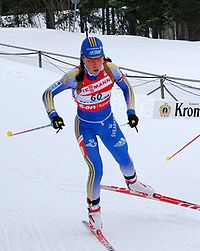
(162, 80)
(40, 58)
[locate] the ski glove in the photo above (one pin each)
(57, 122)
(133, 120)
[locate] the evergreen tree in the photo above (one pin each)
(186, 15)
(177, 19)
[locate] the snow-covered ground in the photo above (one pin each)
(43, 175)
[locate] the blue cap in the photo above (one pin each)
(92, 47)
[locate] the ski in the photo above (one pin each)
(156, 196)
(100, 236)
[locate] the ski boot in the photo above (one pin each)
(139, 188)
(94, 214)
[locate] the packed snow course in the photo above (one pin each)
(43, 175)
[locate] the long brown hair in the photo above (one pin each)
(80, 76)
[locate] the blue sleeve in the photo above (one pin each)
(68, 81)
(125, 86)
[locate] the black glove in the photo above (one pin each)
(133, 120)
(57, 122)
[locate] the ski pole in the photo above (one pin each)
(10, 133)
(170, 157)
(127, 124)
(123, 124)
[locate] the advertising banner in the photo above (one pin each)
(164, 109)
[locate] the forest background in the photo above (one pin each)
(162, 19)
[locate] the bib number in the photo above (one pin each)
(96, 97)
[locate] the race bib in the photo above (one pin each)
(94, 96)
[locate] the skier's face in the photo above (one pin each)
(94, 65)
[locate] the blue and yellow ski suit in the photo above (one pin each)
(95, 118)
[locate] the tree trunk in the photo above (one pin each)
(103, 21)
(113, 21)
(16, 20)
(50, 19)
(81, 22)
(154, 31)
(30, 21)
(108, 20)
(173, 31)
(131, 27)
(181, 31)
(146, 32)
